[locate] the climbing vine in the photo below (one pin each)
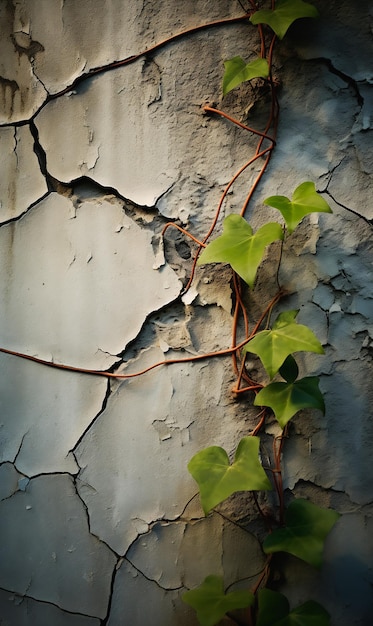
(300, 528)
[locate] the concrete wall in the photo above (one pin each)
(98, 520)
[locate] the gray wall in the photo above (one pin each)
(98, 520)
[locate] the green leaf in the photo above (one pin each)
(217, 480)
(211, 603)
(237, 72)
(285, 13)
(306, 528)
(239, 247)
(286, 336)
(273, 610)
(286, 399)
(272, 606)
(308, 614)
(289, 369)
(305, 200)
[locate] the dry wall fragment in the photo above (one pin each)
(21, 181)
(147, 137)
(148, 475)
(161, 606)
(47, 551)
(122, 29)
(65, 308)
(43, 413)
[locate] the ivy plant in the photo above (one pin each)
(301, 528)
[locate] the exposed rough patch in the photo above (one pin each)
(156, 125)
(41, 423)
(47, 551)
(326, 445)
(18, 610)
(21, 182)
(123, 29)
(324, 448)
(89, 283)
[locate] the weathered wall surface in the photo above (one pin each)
(97, 515)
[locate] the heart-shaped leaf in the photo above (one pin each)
(306, 528)
(211, 603)
(286, 399)
(237, 72)
(305, 200)
(239, 247)
(286, 337)
(273, 610)
(217, 479)
(285, 13)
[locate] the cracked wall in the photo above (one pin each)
(97, 510)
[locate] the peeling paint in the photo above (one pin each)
(93, 317)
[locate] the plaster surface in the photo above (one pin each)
(97, 509)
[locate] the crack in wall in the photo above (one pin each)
(152, 580)
(351, 82)
(93, 421)
(18, 598)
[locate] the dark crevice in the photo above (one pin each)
(54, 473)
(346, 208)
(41, 157)
(15, 147)
(345, 77)
(111, 592)
(31, 206)
(118, 556)
(19, 450)
(94, 420)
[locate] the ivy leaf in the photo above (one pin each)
(286, 399)
(289, 369)
(273, 610)
(239, 247)
(286, 336)
(237, 72)
(306, 528)
(211, 603)
(285, 13)
(272, 606)
(308, 614)
(305, 200)
(217, 479)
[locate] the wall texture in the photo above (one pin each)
(98, 523)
